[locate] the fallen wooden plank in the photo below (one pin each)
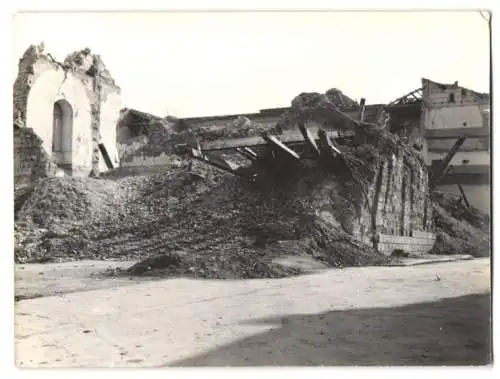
(251, 155)
(461, 189)
(442, 168)
(306, 133)
(219, 163)
(326, 144)
(105, 155)
(251, 152)
(361, 115)
(277, 145)
(289, 137)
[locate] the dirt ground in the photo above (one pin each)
(433, 314)
(39, 280)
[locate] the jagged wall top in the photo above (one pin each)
(89, 63)
(81, 60)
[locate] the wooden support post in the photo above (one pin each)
(250, 152)
(361, 115)
(277, 145)
(461, 189)
(247, 153)
(306, 133)
(442, 168)
(326, 145)
(105, 155)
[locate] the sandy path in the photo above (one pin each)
(383, 315)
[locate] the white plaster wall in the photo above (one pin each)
(53, 85)
(454, 117)
(110, 113)
(471, 143)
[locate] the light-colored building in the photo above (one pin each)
(449, 112)
(72, 107)
(432, 117)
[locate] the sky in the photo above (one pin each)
(213, 63)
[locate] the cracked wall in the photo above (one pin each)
(94, 99)
(400, 197)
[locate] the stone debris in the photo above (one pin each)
(460, 229)
(197, 221)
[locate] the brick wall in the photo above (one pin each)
(419, 243)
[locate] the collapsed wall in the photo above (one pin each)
(71, 106)
(148, 141)
(393, 201)
(206, 223)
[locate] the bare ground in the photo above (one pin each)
(39, 280)
(434, 314)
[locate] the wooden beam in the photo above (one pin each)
(251, 152)
(105, 155)
(247, 153)
(277, 145)
(289, 137)
(306, 133)
(361, 115)
(441, 169)
(219, 163)
(461, 189)
(326, 145)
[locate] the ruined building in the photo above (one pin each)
(432, 118)
(65, 116)
(449, 112)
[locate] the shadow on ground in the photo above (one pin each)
(454, 331)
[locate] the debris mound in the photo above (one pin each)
(459, 229)
(237, 229)
(227, 227)
(196, 221)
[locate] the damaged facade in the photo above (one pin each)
(430, 118)
(397, 205)
(71, 108)
(383, 181)
(448, 113)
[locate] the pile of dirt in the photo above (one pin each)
(459, 229)
(222, 226)
(59, 218)
(214, 225)
(456, 207)
(236, 230)
(60, 210)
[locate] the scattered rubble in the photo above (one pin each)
(197, 221)
(460, 229)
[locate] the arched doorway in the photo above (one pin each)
(62, 134)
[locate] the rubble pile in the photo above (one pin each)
(55, 214)
(320, 109)
(237, 228)
(197, 221)
(240, 127)
(221, 226)
(459, 229)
